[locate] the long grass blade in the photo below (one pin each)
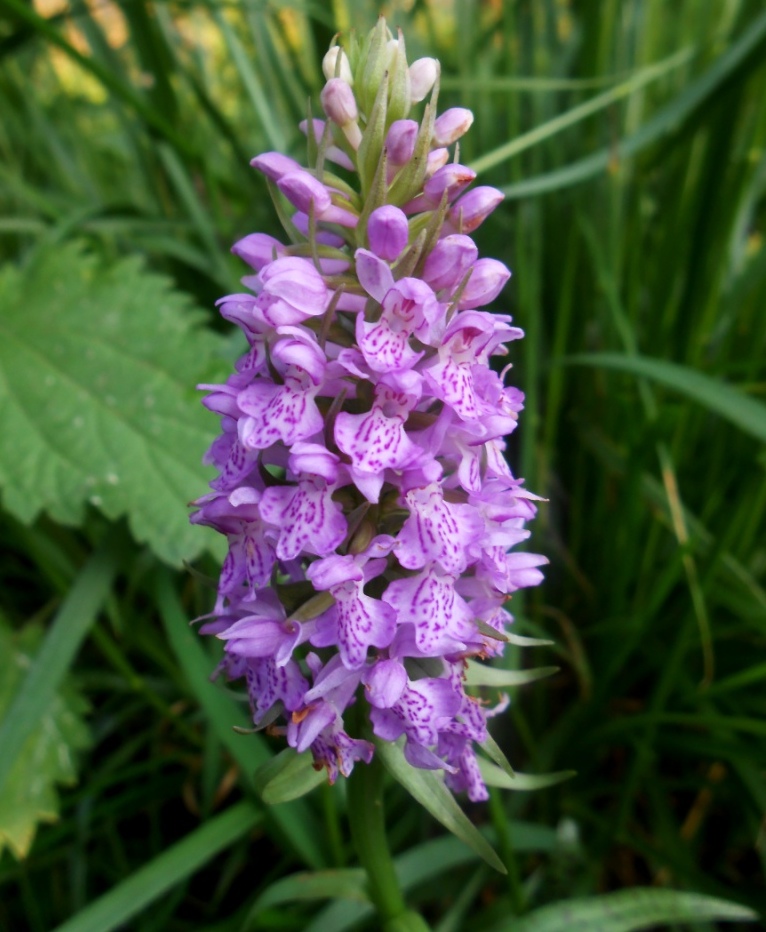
(161, 874)
(58, 650)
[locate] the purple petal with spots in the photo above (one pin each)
(429, 602)
(268, 684)
(436, 530)
(309, 521)
(377, 440)
(424, 708)
(361, 622)
(277, 412)
(384, 348)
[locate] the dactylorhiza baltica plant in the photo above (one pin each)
(370, 513)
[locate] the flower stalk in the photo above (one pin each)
(368, 831)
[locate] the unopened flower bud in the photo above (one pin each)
(258, 249)
(449, 260)
(487, 280)
(340, 106)
(274, 165)
(307, 194)
(325, 237)
(437, 158)
(304, 191)
(400, 141)
(388, 231)
(451, 125)
(332, 153)
(473, 208)
(338, 101)
(385, 680)
(451, 179)
(330, 65)
(423, 75)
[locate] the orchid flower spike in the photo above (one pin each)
(372, 520)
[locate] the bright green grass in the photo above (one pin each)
(630, 138)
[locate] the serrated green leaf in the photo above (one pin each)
(480, 674)
(626, 911)
(288, 775)
(97, 371)
(496, 776)
(427, 787)
(47, 756)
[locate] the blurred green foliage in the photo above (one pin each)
(629, 136)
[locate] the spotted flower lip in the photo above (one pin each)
(373, 522)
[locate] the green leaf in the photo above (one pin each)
(296, 823)
(97, 371)
(722, 399)
(521, 641)
(45, 675)
(493, 750)
(427, 787)
(287, 776)
(47, 756)
(627, 910)
(341, 884)
(481, 674)
(667, 120)
(564, 120)
(171, 867)
(497, 776)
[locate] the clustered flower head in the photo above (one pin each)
(369, 510)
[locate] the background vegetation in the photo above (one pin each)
(629, 138)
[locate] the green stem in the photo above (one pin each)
(368, 830)
(500, 821)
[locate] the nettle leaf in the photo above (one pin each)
(98, 366)
(47, 756)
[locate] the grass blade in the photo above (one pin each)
(171, 867)
(628, 910)
(668, 119)
(580, 112)
(722, 399)
(295, 820)
(58, 650)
